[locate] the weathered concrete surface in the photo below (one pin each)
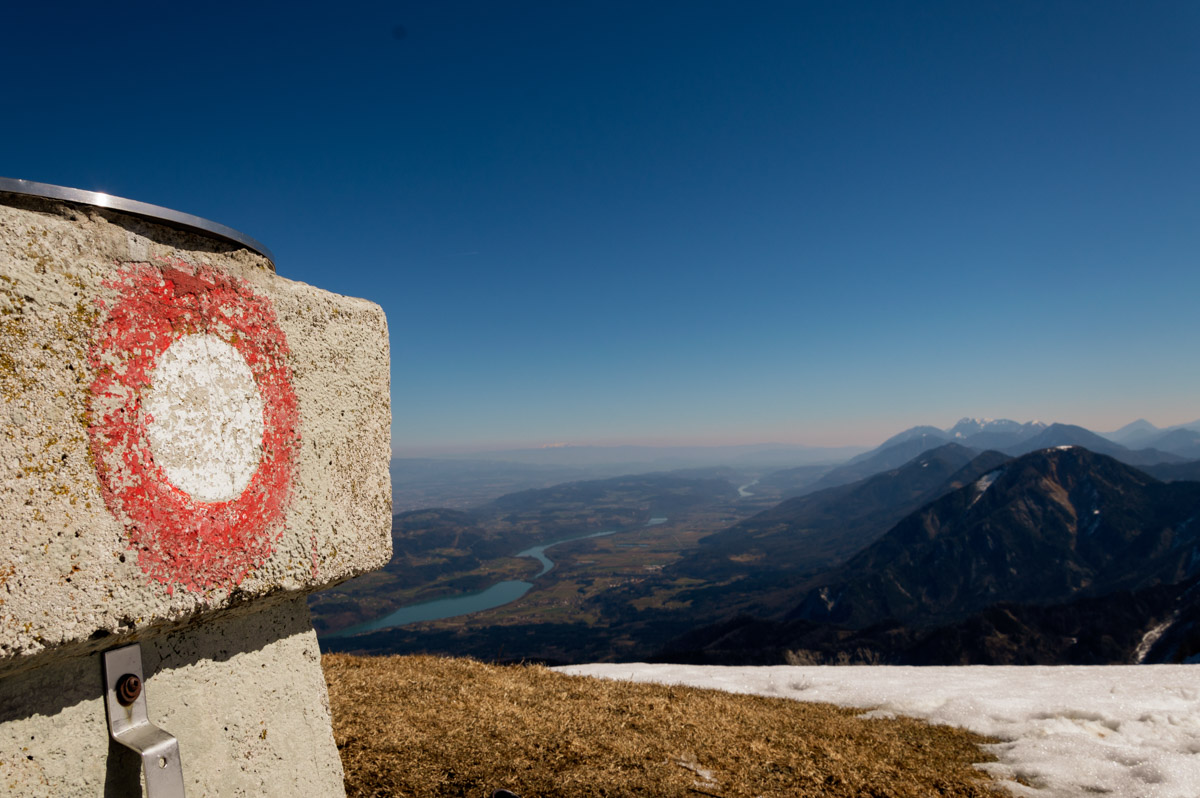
(181, 431)
(243, 694)
(189, 444)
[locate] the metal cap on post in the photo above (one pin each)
(155, 213)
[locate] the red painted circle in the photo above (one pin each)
(181, 541)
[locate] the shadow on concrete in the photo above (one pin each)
(49, 682)
(52, 682)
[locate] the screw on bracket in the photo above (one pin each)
(129, 687)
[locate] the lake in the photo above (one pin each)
(497, 595)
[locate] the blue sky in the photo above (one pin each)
(675, 222)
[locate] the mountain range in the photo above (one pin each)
(1044, 528)
(777, 549)
(1003, 435)
(1144, 445)
(1179, 439)
(1060, 555)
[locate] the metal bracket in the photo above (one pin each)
(129, 724)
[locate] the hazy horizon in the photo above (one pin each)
(433, 450)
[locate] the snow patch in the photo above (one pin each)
(1129, 730)
(1151, 637)
(983, 483)
(689, 762)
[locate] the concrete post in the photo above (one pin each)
(189, 445)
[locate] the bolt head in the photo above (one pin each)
(129, 687)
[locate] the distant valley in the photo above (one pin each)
(473, 479)
(440, 552)
(987, 542)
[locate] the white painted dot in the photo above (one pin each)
(205, 418)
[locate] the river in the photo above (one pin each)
(497, 595)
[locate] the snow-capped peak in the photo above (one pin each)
(967, 426)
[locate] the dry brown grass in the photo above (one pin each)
(430, 726)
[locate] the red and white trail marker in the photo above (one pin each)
(193, 422)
